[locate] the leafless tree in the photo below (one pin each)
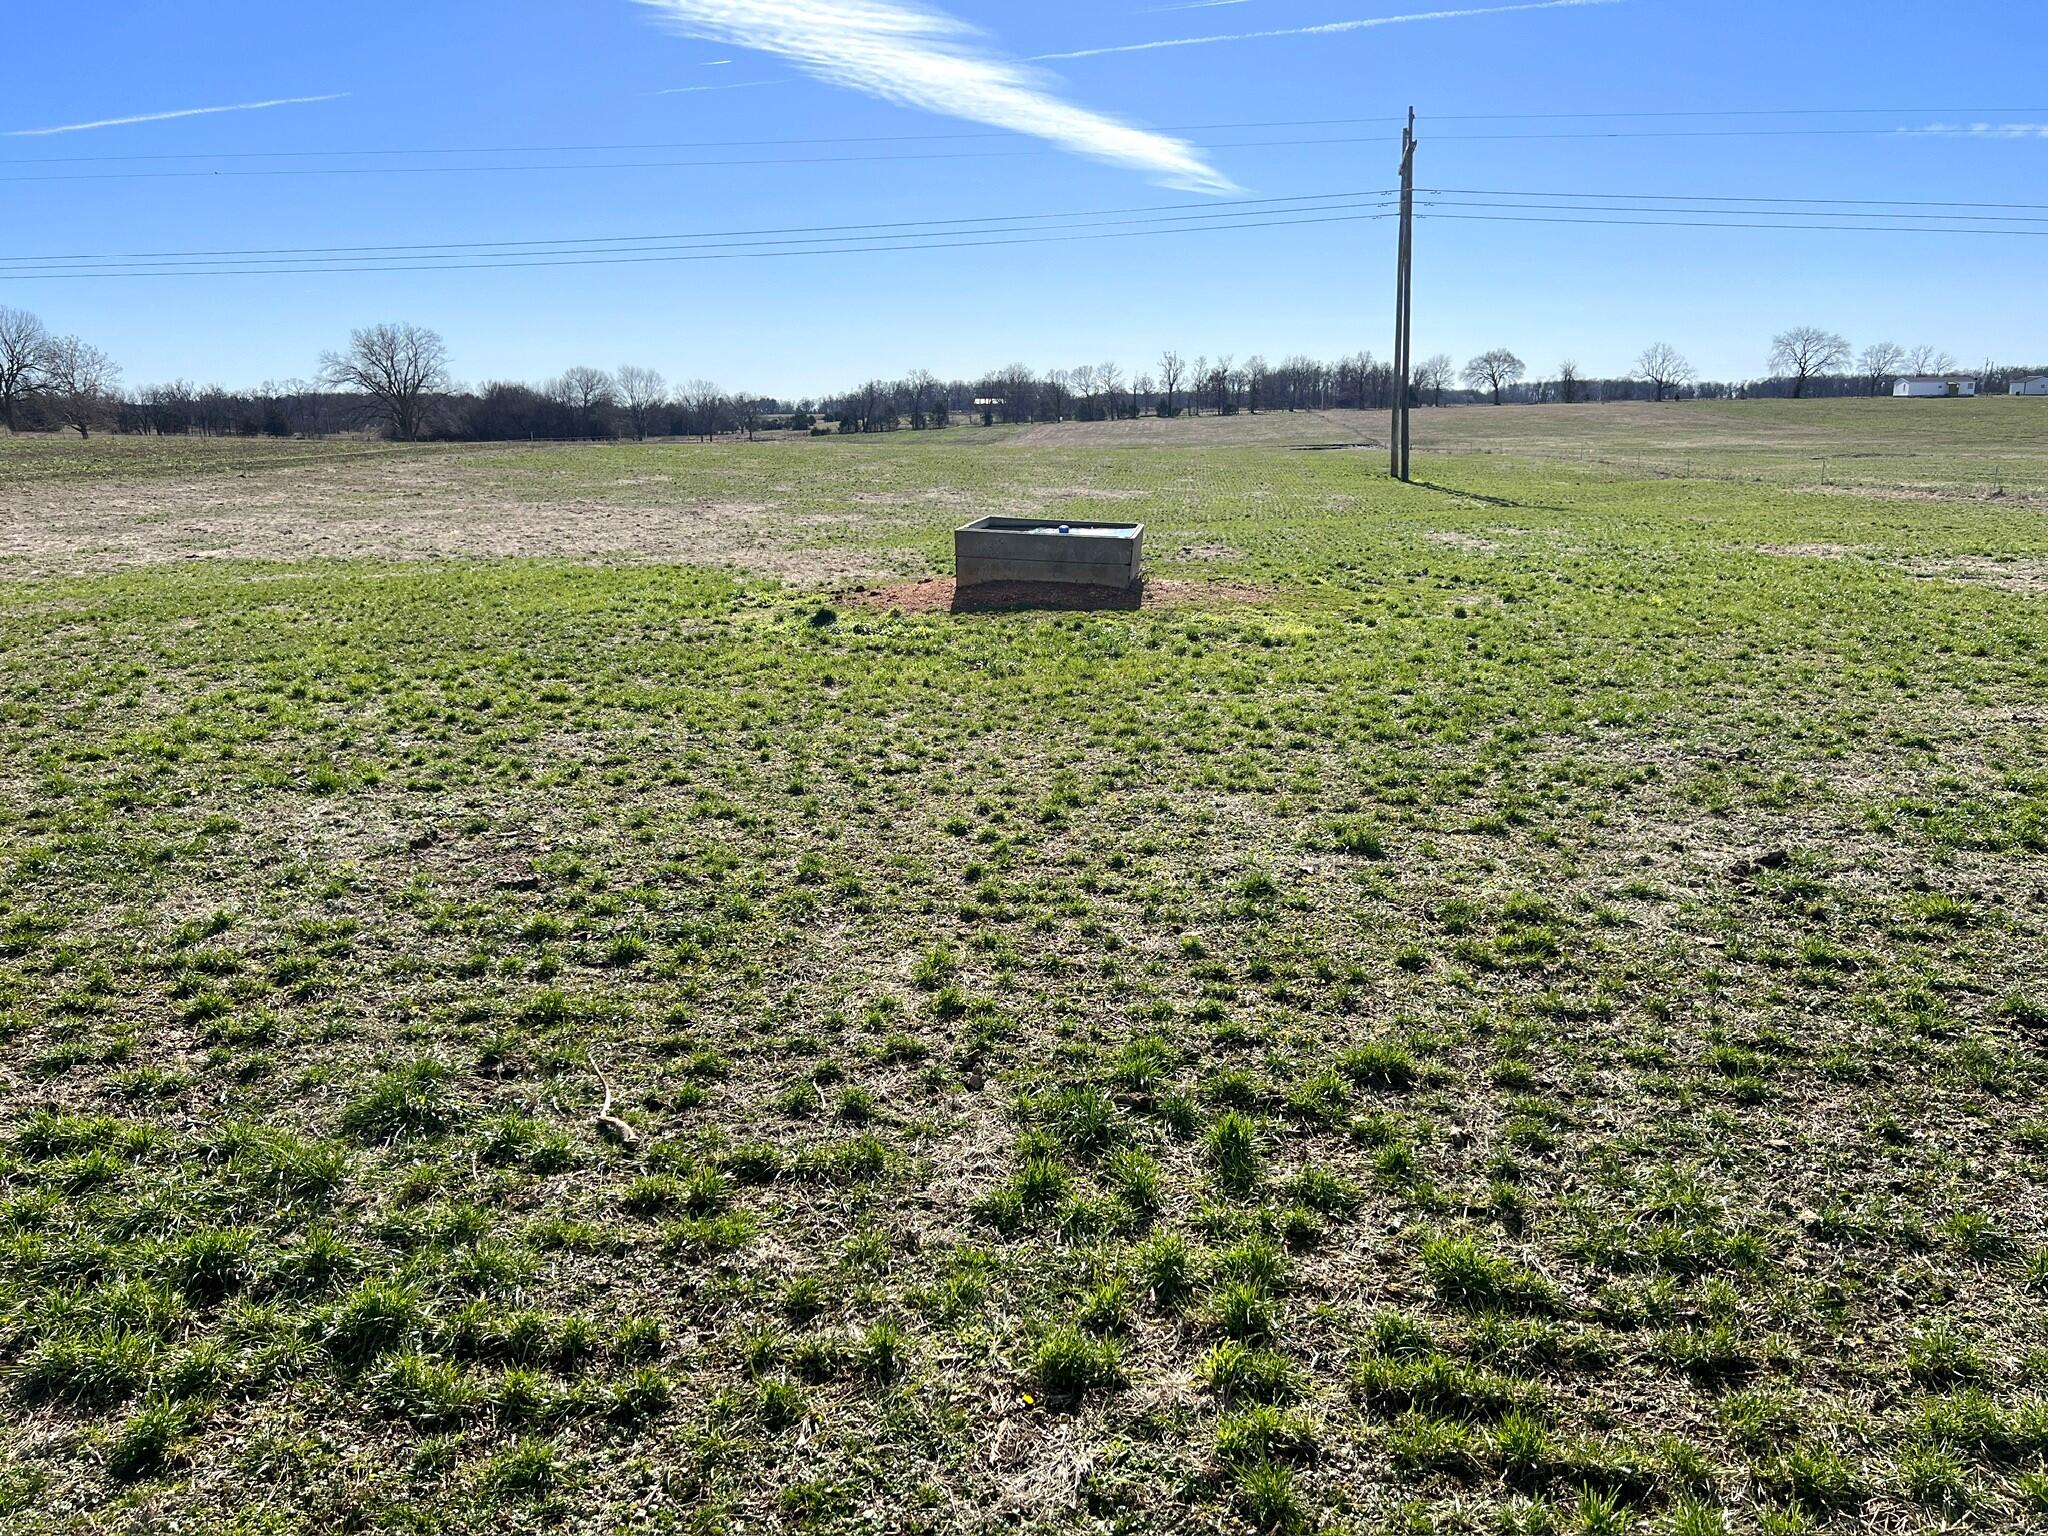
(1170, 370)
(397, 367)
(922, 388)
(1880, 364)
(587, 395)
(703, 402)
(1015, 386)
(1082, 382)
(1664, 369)
(1807, 352)
(642, 392)
(1256, 373)
(746, 411)
(1924, 359)
(1568, 382)
(877, 407)
(1109, 378)
(1435, 375)
(1055, 393)
(1222, 378)
(24, 349)
(167, 408)
(1198, 378)
(1497, 370)
(79, 379)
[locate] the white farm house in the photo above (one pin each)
(2038, 385)
(1934, 389)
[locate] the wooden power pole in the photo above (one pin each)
(1403, 293)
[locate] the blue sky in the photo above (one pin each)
(1122, 127)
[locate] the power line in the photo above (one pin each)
(1192, 209)
(981, 240)
(1724, 133)
(1887, 229)
(577, 149)
(625, 165)
(726, 254)
(1027, 228)
(1705, 197)
(921, 138)
(1812, 213)
(1489, 117)
(719, 234)
(435, 261)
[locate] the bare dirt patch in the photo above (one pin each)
(940, 595)
(1811, 551)
(403, 509)
(2029, 578)
(1473, 542)
(1992, 496)
(1280, 429)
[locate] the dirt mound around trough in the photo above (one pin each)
(939, 594)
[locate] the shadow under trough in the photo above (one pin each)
(1008, 596)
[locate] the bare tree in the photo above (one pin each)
(1807, 352)
(1880, 364)
(1055, 393)
(79, 378)
(24, 358)
(1016, 386)
(1435, 375)
(167, 408)
(1082, 382)
(1254, 373)
(703, 402)
(1568, 382)
(1497, 370)
(587, 395)
(1924, 359)
(1663, 368)
(1109, 378)
(921, 386)
(1170, 370)
(641, 392)
(397, 367)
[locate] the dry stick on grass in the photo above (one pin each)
(609, 1125)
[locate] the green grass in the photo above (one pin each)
(1535, 1019)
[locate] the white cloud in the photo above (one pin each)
(916, 57)
(1981, 130)
(160, 117)
(1326, 28)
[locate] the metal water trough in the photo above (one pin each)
(1073, 553)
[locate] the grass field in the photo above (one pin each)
(527, 1002)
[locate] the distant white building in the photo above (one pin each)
(1935, 389)
(2038, 385)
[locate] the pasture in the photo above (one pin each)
(537, 994)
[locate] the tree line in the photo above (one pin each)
(396, 379)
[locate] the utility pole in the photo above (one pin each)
(1403, 280)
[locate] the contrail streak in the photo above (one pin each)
(1325, 29)
(162, 117)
